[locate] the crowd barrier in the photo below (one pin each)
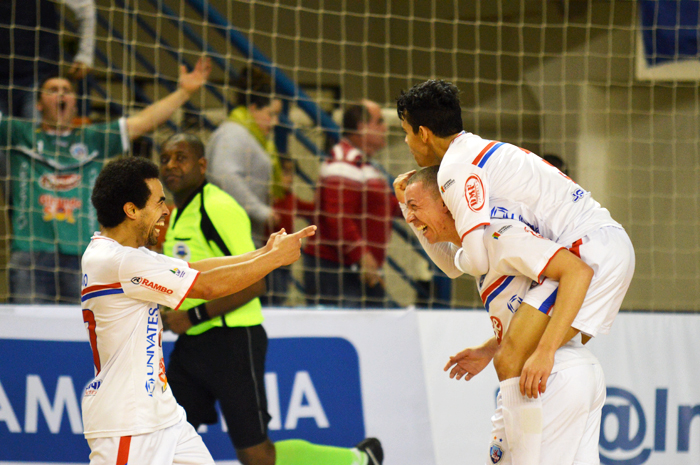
(336, 376)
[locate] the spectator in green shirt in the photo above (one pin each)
(52, 171)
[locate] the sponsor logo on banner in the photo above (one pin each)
(312, 384)
(474, 193)
(143, 282)
(447, 185)
(59, 182)
(627, 426)
(58, 208)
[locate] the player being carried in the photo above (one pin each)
(480, 179)
(521, 263)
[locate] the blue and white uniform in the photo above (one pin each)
(481, 180)
(129, 412)
(573, 401)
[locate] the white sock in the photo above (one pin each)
(499, 452)
(523, 423)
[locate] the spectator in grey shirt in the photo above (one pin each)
(242, 159)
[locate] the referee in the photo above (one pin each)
(220, 354)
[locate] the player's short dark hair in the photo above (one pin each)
(253, 87)
(353, 116)
(192, 140)
(54, 76)
(433, 104)
(120, 181)
(429, 177)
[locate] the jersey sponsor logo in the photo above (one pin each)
(495, 453)
(161, 374)
(79, 151)
(59, 182)
(514, 302)
(143, 282)
(58, 208)
(91, 388)
(528, 229)
(447, 185)
(474, 193)
(152, 348)
(178, 272)
(504, 229)
(578, 194)
(498, 233)
(497, 328)
(181, 251)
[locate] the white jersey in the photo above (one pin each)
(122, 289)
(517, 259)
(481, 179)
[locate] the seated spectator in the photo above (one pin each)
(343, 262)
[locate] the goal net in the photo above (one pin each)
(610, 88)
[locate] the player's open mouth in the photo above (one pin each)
(423, 228)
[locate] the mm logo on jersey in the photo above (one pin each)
(143, 282)
(474, 193)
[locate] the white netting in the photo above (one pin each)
(554, 77)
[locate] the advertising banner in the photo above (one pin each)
(334, 377)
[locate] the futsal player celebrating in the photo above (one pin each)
(480, 179)
(129, 412)
(570, 411)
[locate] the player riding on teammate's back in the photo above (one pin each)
(479, 178)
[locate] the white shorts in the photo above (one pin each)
(177, 445)
(609, 252)
(571, 415)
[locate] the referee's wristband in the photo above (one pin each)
(198, 314)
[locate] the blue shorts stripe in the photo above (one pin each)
(497, 291)
(549, 301)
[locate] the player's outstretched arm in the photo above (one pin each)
(574, 277)
(225, 280)
(472, 360)
(159, 112)
(215, 262)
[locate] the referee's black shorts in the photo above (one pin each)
(228, 365)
